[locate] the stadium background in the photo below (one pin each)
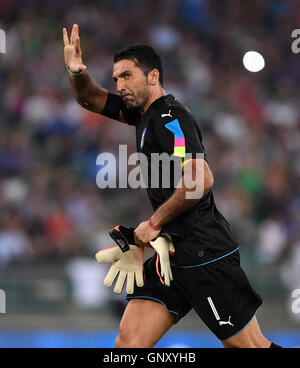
(54, 218)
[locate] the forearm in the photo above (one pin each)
(196, 181)
(88, 92)
(174, 206)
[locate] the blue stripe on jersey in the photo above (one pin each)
(174, 127)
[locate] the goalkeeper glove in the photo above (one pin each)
(128, 259)
(125, 265)
(163, 246)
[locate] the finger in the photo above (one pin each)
(157, 269)
(171, 253)
(137, 242)
(130, 283)
(74, 33)
(77, 45)
(164, 274)
(170, 273)
(120, 282)
(139, 278)
(171, 248)
(140, 243)
(108, 255)
(166, 278)
(111, 275)
(65, 37)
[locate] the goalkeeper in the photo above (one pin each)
(207, 276)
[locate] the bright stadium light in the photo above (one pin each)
(253, 61)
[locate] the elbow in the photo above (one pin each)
(199, 176)
(208, 179)
(208, 183)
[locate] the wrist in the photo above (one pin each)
(154, 226)
(74, 73)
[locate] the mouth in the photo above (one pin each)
(130, 101)
(126, 96)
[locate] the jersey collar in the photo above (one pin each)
(159, 102)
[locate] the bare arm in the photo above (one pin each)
(196, 181)
(87, 91)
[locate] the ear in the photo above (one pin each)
(153, 77)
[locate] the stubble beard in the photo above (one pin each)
(139, 100)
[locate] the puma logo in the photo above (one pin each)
(164, 115)
(216, 314)
(221, 323)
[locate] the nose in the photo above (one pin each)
(121, 86)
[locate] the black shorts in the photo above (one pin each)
(219, 292)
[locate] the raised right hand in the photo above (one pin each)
(72, 51)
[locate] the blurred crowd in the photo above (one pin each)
(50, 204)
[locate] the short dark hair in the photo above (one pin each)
(144, 57)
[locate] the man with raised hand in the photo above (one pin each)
(206, 264)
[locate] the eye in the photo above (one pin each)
(126, 75)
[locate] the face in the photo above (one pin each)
(131, 83)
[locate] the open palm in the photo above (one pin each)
(72, 51)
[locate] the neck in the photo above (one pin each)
(154, 96)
